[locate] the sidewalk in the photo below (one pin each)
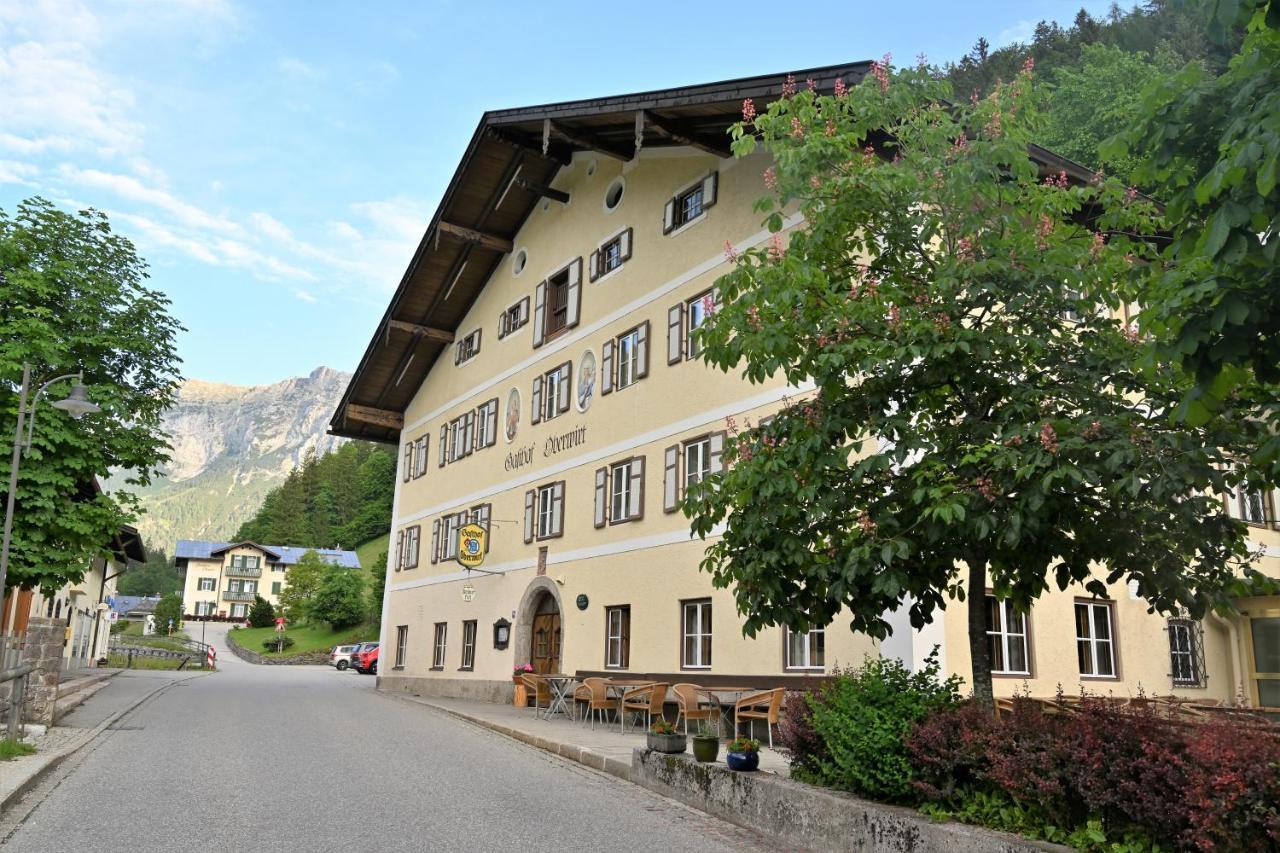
(605, 748)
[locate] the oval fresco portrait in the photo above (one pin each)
(513, 415)
(586, 380)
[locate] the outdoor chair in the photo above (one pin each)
(647, 700)
(540, 690)
(764, 705)
(594, 693)
(689, 703)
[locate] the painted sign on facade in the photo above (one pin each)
(586, 380)
(472, 539)
(513, 414)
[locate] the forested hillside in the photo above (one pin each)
(338, 500)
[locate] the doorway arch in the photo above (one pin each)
(539, 628)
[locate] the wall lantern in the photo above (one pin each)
(501, 634)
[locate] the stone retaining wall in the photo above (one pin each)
(800, 815)
(308, 658)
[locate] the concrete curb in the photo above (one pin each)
(58, 756)
(64, 705)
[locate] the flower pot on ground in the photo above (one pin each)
(706, 744)
(663, 737)
(743, 754)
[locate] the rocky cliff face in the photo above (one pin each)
(231, 445)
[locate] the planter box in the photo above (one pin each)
(671, 744)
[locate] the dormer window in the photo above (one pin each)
(690, 203)
(611, 255)
(467, 348)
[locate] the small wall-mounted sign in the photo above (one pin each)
(468, 592)
(582, 601)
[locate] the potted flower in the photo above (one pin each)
(517, 677)
(743, 754)
(663, 737)
(706, 743)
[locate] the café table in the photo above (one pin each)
(725, 698)
(561, 692)
(620, 686)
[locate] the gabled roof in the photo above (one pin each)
(195, 549)
(270, 552)
(507, 168)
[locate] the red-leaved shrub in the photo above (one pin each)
(949, 751)
(1233, 787)
(804, 747)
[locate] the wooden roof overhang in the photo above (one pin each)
(508, 167)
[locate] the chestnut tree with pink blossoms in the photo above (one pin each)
(973, 414)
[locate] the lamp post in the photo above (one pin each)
(77, 404)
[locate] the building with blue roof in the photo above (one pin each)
(223, 578)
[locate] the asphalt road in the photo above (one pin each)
(310, 759)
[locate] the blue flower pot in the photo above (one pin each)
(742, 760)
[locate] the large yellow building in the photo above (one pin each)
(537, 367)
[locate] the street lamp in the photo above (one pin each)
(77, 404)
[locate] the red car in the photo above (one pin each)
(366, 662)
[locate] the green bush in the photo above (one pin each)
(862, 716)
(278, 643)
(261, 614)
(120, 627)
(169, 607)
(339, 600)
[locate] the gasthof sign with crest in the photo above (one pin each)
(473, 542)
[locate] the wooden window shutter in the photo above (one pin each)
(564, 387)
(502, 325)
(635, 508)
(486, 513)
(671, 479)
(669, 217)
(530, 506)
(573, 294)
(557, 508)
(444, 443)
(626, 637)
(606, 367)
(536, 398)
(408, 461)
(675, 333)
(493, 422)
(602, 497)
(624, 246)
(478, 333)
(435, 541)
(399, 550)
(593, 265)
(642, 350)
(524, 311)
(539, 312)
(457, 351)
(717, 451)
(709, 186)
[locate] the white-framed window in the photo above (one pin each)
(1186, 653)
(239, 611)
(449, 527)
(412, 546)
(807, 650)
(438, 646)
(207, 584)
(402, 645)
(244, 561)
(696, 312)
(548, 523)
(513, 318)
(619, 494)
(204, 608)
(1252, 506)
(469, 644)
(1095, 644)
(552, 392)
(611, 255)
(690, 203)
(544, 512)
(617, 642)
(1007, 638)
(689, 463)
(697, 460)
(486, 424)
(695, 634)
(420, 456)
(277, 567)
(462, 435)
(625, 359)
(466, 348)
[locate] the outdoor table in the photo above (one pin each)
(725, 698)
(559, 683)
(621, 685)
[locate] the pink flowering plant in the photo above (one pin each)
(980, 419)
(523, 668)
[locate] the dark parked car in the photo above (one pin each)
(366, 660)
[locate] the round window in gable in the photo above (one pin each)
(613, 195)
(519, 261)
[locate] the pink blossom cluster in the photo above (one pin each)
(895, 318)
(960, 144)
(841, 88)
(868, 155)
(812, 84)
(1043, 230)
(1095, 246)
(730, 252)
(985, 488)
(753, 317)
(1048, 438)
(880, 71)
(867, 524)
(731, 424)
(789, 87)
(815, 183)
(776, 248)
(771, 178)
(994, 128)
(748, 111)
(1092, 431)
(1130, 194)
(1059, 180)
(942, 322)
(1029, 65)
(964, 249)
(922, 60)
(1131, 334)
(797, 128)
(830, 128)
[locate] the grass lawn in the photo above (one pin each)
(10, 749)
(146, 662)
(133, 636)
(371, 550)
(306, 638)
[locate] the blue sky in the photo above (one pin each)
(276, 162)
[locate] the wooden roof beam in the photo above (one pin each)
(682, 132)
(543, 190)
(558, 152)
(427, 332)
(580, 138)
(375, 417)
(480, 238)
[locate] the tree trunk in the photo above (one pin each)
(979, 651)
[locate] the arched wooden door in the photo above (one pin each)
(546, 636)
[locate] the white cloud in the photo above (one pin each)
(291, 66)
(153, 233)
(14, 172)
(1022, 31)
(129, 187)
(305, 296)
(26, 147)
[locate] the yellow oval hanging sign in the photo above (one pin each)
(473, 542)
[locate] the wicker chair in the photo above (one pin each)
(689, 703)
(647, 700)
(764, 705)
(540, 690)
(594, 693)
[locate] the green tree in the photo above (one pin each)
(302, 579)
(261, 614)
(157, 576)
(377, 584)
(977, 421)
(72, 299)
(169, 607)
(340, 599)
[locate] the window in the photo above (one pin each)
(683, 321)
(469, 644)
(557, 303)
(412, 544)
(513, 318)
(206, 584)
(438, 647)
(402, 644)
(1007, 638)
(695, 646)
(203, 608)
(277, 567)
(807, 650)
(467, 348)
(243, 561)
(462, 435)
(275, 588)
(625, 359)
(420, 457)
(613, 195)
(544, 512)
(1094, 646)
(617, 641)
(620, 492)
(551, 393)
(481, 515)
(1186, 653)
(611, 255)
(444, 534)
(1252, 507)
(486, 422)
(239, 611)
(689, 463)
(690, 203)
